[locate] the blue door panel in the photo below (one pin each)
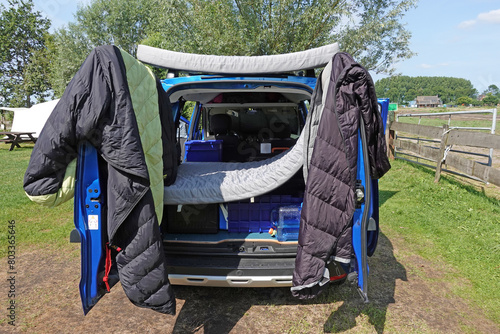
(360, 223)
(88, 222)
(365, 240)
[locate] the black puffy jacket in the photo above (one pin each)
(329, 201)
(98, 107)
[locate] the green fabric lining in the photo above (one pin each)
(64, 193)
(142, 86)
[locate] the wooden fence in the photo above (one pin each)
(441, 154)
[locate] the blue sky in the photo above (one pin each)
(451, 38)
(455, 38)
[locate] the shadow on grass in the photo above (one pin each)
(385, 270)
(218, 310)
(384, 195)
(24, 147)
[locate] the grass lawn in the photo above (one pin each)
(449, 222)
(34, 224)
(451, 225)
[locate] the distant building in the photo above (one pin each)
(481, 97)
(428, 101)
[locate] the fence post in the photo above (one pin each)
(390, 141)
(493, 127)
(442, 150)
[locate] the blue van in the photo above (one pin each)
(240, 174)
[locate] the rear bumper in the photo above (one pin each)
(231, 281)
(237, 271)
(243, 264)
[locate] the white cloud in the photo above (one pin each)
(493, 16)
(467, 24)
(490, 17)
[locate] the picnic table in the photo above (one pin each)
(14, 138)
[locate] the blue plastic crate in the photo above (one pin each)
(203, 150)
(247, 217)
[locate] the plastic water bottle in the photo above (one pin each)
(288, 223)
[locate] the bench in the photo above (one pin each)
(14, 138)
(27, 123)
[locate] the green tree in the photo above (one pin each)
(69, 49)
(368, 29)
(490, 100)
(403, 89)
(371, 30)
(23, 54)
(464, 100)
(118, 22)
(123, 23)
(492, 89)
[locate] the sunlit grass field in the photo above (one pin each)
(448, 221)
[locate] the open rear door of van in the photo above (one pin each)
(366, 217)
(89, 223)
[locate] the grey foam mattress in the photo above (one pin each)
(218, 182)
(302, 60)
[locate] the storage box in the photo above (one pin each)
(203, 150)
(203, 218)
(247, 217)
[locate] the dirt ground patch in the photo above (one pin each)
(407, 294)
